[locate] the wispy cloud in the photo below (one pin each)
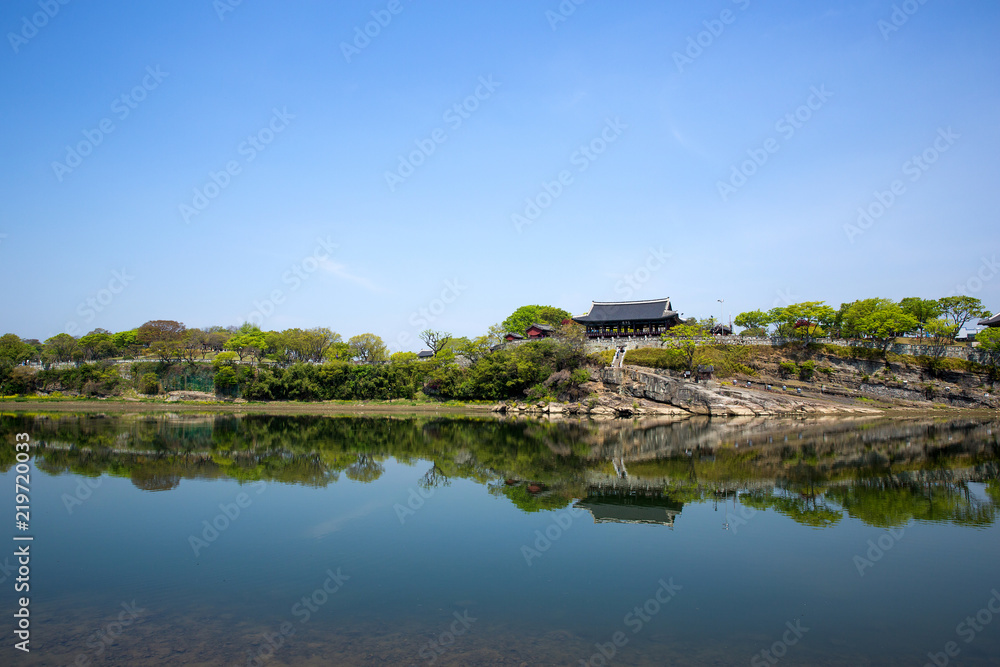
(341, 271)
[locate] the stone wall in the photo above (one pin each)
(632, 343)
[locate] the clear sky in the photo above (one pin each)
(214, 162)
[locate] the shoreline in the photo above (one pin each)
(119, 406)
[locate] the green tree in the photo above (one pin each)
(525, 316)
(59, 348)
(755, 323)
(802, 320)
(886, 324)
(851, 314)
(922, 310)
(961, 309)
(367, 348)
(13, 350)
(160, 330)
(253, 344)
(989, 347)
(681, 338)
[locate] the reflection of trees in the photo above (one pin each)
(434, 478)
(153, 481)
(811, 472)
(806, 510)
(886, 503)
(365, 469)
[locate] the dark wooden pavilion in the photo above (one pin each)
(619, 319)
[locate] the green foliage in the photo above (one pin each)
(149, 384)
(922, 310)
(525, 316)
(680, 339)
(788, 368)
(989, 346)
(961, 309)
(367, 348)
(802, 320)
(755, 322)
(807, 369)
(225, 380)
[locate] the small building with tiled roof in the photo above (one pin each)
(539, 331)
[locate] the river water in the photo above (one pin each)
(189, 539)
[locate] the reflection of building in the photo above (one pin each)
(613, 319)
(617, 507)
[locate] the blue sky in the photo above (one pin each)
(701, 151)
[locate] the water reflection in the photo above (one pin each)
(884, 473)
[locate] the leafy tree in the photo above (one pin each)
(59, 348)
(222, 359)
(225, 380)
(802, 319)
(127, 343)
(851, 314)
(13, 350)
(885, 324)
(339, 351)
(961, 309)
(98, 344)
(435, 340)
(402, 357)
(367, 348)
(989, 346)
(160, 330)
(755, 322)
(680, 338)
(149, 384)
(525, 316)
(253, 343)
(922, 310)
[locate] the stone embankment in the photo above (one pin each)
(630, 391)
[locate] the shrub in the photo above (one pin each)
(149, 384)
(806, 370)
(788, 368)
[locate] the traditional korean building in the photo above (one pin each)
(539, 331)
(991, 321)
(617, 319)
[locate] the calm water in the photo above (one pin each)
(418, 541)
